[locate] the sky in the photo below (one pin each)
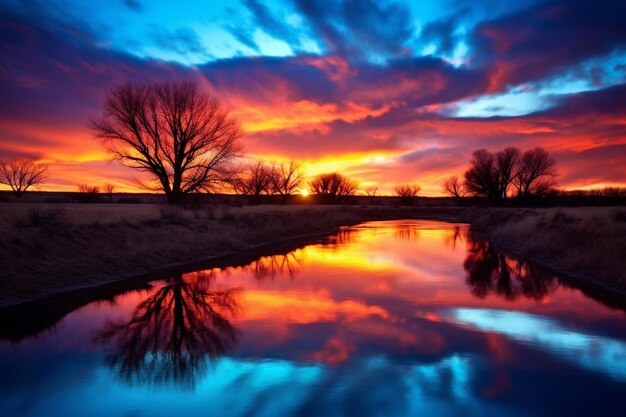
(385, 92)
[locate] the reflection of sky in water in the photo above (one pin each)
(373, 386)
(364, 324)
(596, 353)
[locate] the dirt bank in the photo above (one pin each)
(50, 249)
(584, 243)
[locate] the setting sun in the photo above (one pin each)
(304, 193)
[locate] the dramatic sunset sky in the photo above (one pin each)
(385, 92)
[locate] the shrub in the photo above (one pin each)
(87, 193)
(407, 193)
(172, 214)
(42, 216)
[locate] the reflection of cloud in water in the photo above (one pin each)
(596, 353)
(305, 307)
(372, 386)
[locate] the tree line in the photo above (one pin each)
(187, 142)
(507, 173)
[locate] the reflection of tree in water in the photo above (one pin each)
(406, 232)
(343, 236)
(490, 272)
(271, 266)
(457, 235)
(264, 267)
(175, 333)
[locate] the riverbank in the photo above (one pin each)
(587, 244)
(49, 249)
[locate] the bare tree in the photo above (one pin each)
(454, 187)
(371, 193)
(497, 176)
(88, 189)
(109, 189)
(333, 187)
(613, 192)
(537, 173)
(21, 174)
(184, 139)
(492, 175)
(254, 181)
(508, 162)
(407, 193)
(286, 179)
(482, 176)
(87, 193)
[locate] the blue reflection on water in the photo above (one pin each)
(596, 353)
(356, 347)
(219, 393)
(373, 386)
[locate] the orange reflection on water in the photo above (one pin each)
(302, 307)
(382, 285)
(385, 281)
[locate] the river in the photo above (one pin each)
(394, 318)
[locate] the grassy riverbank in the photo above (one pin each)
(48, 249)
(585, 243)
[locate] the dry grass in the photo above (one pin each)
(82, 214)
(51, 248)
(588, 242)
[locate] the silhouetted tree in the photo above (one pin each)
(256, 180)
(333, 187)
(109, 189)
(499, 175)
(286, 178)
(174, 333)
(482, 176)
(491, 175)
(407, 193)
(371, 193)
(537, 173)
(454, 187)
(21, 174)
(87, 193)
(508, 161)
(184, 139)
(613, 192)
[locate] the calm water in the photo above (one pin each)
(382, 319)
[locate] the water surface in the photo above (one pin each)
(382, 319)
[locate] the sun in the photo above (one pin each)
(304, 193)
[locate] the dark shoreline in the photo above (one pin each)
(120, 282)
(32, 317)
(328, 221)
